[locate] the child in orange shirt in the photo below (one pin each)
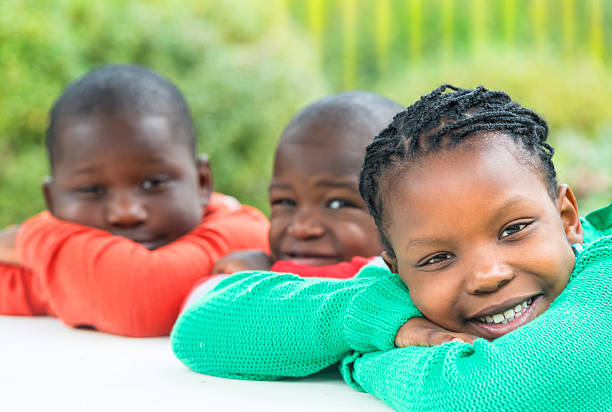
(319, 225)
(132, 219)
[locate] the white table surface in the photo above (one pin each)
(47, 366)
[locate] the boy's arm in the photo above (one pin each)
(90, 277)
(262, 325)
(8, 253)
(17, 292)
(559, 361)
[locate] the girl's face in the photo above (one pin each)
(478, 240)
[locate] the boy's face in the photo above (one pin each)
(317, 215)
(478, 240)
(130, 175)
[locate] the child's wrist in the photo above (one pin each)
(375, 314)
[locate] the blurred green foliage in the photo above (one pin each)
(246, 67)
(243, 69)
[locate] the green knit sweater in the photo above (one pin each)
(267, 326)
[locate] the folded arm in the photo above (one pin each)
(263, 325)
(559, 361)
(90, 277)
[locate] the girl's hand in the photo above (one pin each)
(423, 332)
(7, 246)
(243, 260)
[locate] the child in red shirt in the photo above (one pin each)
(132, 219)
(318, 222)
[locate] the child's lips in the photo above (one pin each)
(311, 259)
(492, 326)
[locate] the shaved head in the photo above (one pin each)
(357, 114)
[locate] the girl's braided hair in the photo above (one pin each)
(443, 119)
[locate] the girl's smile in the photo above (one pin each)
(477, 238)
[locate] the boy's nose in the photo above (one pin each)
(306, 225)
(488, 276)
(125, 210)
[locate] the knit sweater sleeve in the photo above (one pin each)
(263, 325)
(559, 361)
(90, 277)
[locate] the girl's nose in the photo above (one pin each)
(487, 277)
(306, 225)
(125, 210)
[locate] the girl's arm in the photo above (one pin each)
(90, 277)
(262, 325)
(560, 361)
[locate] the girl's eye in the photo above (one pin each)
(154, 184)
(440, 257)
(91, 191)
(338, 203)
(513, 229)
(283, 202)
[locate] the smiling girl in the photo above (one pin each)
(485, 255)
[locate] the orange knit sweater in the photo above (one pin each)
(86, 276)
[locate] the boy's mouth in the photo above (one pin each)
(311, 259)
(495, 324)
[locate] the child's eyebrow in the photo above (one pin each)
(279, 186)
(423, 241)
(509, 204)
(85, 170)
(351, 185)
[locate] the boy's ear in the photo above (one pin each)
(568, 210)
(46, 189)
(390, 260)
(205, 179)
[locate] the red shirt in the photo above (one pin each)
(86, 276)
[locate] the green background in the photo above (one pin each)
(246, 67)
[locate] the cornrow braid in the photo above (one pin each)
(443, 119)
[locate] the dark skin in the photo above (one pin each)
(132, 175)
(464, 269)
(317, 215)
(8, 254)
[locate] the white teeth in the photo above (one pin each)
(507, 315)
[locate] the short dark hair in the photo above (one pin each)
(356, 109)
(116, 88)
(445, 118)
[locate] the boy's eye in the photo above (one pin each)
(339, 203)
(154, 183)
(513, 229)
(283, 202)
(91, 191)
(437, 258)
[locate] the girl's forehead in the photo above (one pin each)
(458, 181)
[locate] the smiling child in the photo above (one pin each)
(481, 242)
(319, 224)
(317, 217)
(132, 219)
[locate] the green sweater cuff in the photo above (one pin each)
(375, 314)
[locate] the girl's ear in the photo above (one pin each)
(205, 179)
(390, 260)
(568, 210)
